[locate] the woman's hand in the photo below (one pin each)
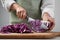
(47, 17)
(20, 11)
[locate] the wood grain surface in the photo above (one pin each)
(29, 35)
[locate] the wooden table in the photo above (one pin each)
(29, 35)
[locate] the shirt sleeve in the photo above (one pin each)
(7, 3)
(49, 7)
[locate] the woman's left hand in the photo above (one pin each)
(47, 17)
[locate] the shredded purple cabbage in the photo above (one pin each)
(24, 28)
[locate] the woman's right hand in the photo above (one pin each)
(20, 11)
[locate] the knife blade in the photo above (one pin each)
(30, 19)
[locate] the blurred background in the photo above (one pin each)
(4, 16)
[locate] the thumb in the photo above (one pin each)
(50, 19)
(45, 18)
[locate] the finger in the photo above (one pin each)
(52, 22)
(17, 13)
(51, 19)
(52, 26)
(21, 14)
(45, 18)
(24, 15)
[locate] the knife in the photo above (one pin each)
(29, 19)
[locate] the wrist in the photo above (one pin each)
(14, 6)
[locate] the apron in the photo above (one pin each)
(31, 6)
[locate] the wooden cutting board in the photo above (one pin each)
(29, 35)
